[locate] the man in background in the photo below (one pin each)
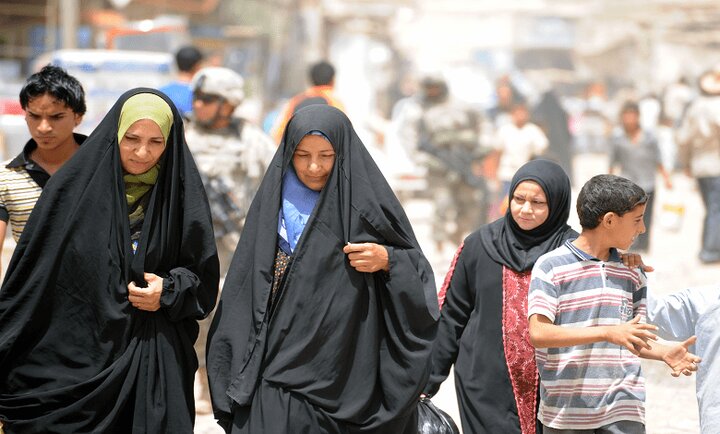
(699, 153)
(188, 60)
(322, 77)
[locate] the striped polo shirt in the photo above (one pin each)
(587, 386)
(21, 183)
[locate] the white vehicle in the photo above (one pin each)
(107, 74)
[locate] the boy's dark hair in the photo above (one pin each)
(519, 105)
(55, 81)
(607, 193)
(630, 106)
(322, 73)
(188, 57)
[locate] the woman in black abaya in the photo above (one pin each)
(483, 327)
(99, 308)
(329, 310)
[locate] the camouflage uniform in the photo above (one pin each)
(450, 136)
(232, 162)
(232, 155)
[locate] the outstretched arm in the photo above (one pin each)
(457, 308)
(632, 335)
(677, 357)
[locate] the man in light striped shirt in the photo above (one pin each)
(586, 311)
(54, 104)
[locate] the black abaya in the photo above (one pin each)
(344, 351)
(75, 355)
(479, 331)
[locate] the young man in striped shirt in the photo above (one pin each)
(586, 311)
(54, 104)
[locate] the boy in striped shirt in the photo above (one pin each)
(586, 311)
(54, 104)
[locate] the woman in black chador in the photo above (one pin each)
(483, 327)
(329, 310)
(99, 308)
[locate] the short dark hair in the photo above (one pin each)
(55, 81)
(607, 193)
(322, 73)
(630, 106)
(188, 57)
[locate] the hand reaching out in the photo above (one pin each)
(682, 361)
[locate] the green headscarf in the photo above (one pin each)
(145, 106)
(137, 107)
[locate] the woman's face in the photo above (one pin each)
(141, 147)
(313, 160)
(528, 205)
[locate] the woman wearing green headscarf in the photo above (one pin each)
(99, 307)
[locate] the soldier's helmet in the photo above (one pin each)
(433, 89)
(219, 81)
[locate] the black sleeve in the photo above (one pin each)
(181, 296)
(459, 304)
(4, 214)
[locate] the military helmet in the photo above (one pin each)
(220, 81)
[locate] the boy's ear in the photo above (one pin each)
(608, 219)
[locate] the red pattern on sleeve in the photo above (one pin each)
(448, 276)
(519, 353)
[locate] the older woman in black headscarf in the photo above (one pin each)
(483, 325)
(483, 328)
(329, 309)
(99, 308)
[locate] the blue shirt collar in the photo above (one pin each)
(583, 256)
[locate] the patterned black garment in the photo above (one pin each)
(282, 260)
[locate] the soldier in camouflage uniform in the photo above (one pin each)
(232, 155)
(451, 137)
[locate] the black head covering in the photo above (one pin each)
(354, 346)
(518, 249)
(75, 355)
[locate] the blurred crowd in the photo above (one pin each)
(468, 154)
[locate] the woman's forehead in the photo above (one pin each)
(313, 142)
(529, 186)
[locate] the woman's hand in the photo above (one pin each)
(367, 257)
(147, 298)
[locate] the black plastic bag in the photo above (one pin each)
(432, 420)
